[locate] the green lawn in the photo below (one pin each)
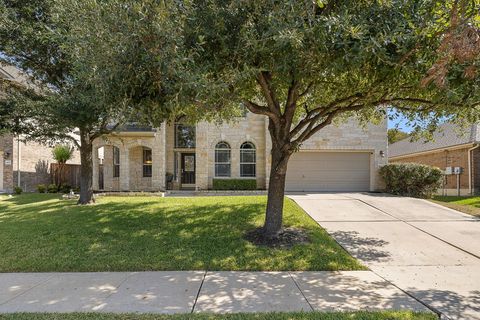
(469, 205)
(406, 315)
(40, 232)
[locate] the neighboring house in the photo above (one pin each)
(178, 156)
(24, 164)
(450, 147)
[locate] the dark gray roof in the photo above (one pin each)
(447, 135)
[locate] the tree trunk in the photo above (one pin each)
(276, 193)
(86, 169)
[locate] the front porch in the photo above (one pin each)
(146, 161)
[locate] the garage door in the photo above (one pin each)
(328, 171)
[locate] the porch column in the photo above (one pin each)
(158, 159)
(201, 156)
(95, 168)
(108, 168)
(125, 169)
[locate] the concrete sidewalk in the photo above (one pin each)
(200, 291)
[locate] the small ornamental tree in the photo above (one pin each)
(306, 64)
(61, 153)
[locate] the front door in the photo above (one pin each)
(188, 169)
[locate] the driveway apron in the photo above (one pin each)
(429, 251)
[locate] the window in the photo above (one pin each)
(222, 160)
(184, 136)
(116, 162)
(247, 160)
(147, 162)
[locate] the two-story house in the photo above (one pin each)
(178, 156)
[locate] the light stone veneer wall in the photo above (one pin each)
(348, 137)
(248, 129)
(131, 146)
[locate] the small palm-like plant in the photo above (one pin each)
(61, 153)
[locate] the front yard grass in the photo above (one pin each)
(386, 315)
(469, 205)
(41, 232)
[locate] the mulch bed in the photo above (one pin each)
(286, 239)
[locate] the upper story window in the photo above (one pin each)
(116, 162)
(248, 160)
(222, 160)
(184, 136)
(147, 162)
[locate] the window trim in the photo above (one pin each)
(145, 163)
(116, 162)
(224, 147)
(251, 149)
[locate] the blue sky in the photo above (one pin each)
(401, 123)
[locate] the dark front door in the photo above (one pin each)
(188, 168)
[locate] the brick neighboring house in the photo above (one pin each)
(450, 147)
(178, 156)
(24, 164)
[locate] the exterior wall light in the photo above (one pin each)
(382, 153)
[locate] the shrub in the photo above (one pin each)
(411, 179)
(41, 188)
(17, 190)
(52, 188)
(234, 184)
(65, 188)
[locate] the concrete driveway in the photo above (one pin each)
(429, 251)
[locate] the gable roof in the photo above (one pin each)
(447, 135)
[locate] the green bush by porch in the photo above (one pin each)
(234, 184)
(40, 232)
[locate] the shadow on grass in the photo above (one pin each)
(124, 234)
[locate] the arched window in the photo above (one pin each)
(222, 160)
(116, 162)
(248, 160)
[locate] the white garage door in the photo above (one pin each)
(329, 171)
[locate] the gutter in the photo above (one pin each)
(470, 188)
(418, 153)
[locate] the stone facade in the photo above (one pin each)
(451, 157)
(348, 137)
(30, 160)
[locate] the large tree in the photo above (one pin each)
(305, 64)
(75, 70)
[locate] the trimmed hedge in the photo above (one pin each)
(411, 179)
(234, 184)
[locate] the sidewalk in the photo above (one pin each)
(199, 291)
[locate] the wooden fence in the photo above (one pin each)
(70, 174)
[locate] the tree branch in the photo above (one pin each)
(263, 80)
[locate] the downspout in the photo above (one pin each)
(19, 155)
(470, 188)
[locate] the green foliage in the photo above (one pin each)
(395, 135)
(234, 184)
(65, 188)
(41, 188)
(62, 153)
(17, 190)
(411, 179)
(52, 188)
(312, 315)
